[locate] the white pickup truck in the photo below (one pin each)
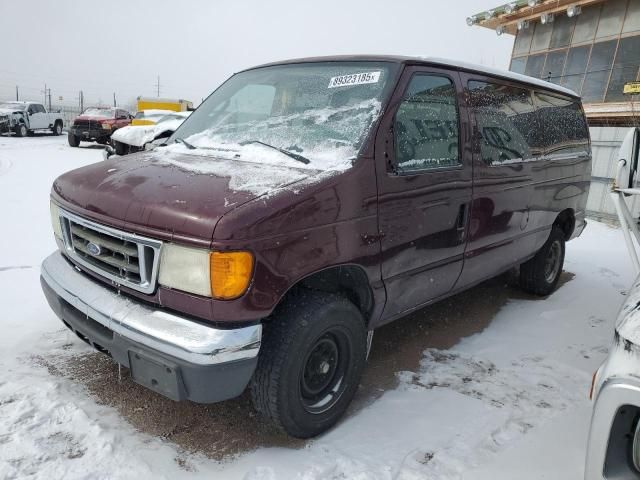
(23, 118)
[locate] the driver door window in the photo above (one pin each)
(426, 126)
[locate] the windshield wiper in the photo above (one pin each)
(185, 143)
(295, 156)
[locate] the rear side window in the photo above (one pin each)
(506, 121)
(426, 125)
(563, 127)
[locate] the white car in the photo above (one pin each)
(614, 439)
(133, 138)
(24, 118)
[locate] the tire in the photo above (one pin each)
(120, 148)
(21, 130)
(312, 357)
(540, 275)
(57, 129)
(74, 140)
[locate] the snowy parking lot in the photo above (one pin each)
(490, 384)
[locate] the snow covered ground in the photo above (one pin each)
(509, 401)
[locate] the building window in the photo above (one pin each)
(598, 36)
(534, 65)
(632, 22)
(541, 37)
(518, 64)
(576, 67)
(523, 41)
(562, 31)
(555, 65)
(586, 25)
(625, 68)
(597, 77)
(611, 18)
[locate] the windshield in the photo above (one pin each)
(13, 106)
(99, 112)
(319, 111)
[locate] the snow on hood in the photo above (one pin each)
(136, 135)
(139, 135)
(628, 322)
(7, 111)
(250, 168)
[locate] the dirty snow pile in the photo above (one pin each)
(508, 402)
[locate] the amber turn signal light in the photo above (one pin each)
(230, 274)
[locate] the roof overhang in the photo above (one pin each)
(499, 16)
(614, 113)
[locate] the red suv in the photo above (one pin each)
(96, 124)
(303, 205)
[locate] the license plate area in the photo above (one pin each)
(156, 374)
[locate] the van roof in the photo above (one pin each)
(433, 61)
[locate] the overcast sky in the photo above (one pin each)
(122, 45)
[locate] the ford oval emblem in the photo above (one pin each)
(94, 249)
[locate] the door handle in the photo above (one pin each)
(461, 221)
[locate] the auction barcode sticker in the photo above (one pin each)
(354, 79)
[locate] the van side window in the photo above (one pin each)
(506, 122)
(563, 127)
(426, 125)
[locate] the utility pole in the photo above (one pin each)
(17, 94)
(114, 100)
(81, 98)
(158, 86)
(49, 94)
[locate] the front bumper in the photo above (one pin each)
(173, 355)
(86, 133)
(5, 124)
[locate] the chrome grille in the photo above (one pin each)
(124, 258)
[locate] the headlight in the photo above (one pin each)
(55, 220)
(185, 269)
(222, 275)
(106, 126)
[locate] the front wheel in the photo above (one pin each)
(540, 275)
(57, 129)
(74, 140)
(21, 130)
(120, 148)
(312, 357)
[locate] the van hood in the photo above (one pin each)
(171, 196)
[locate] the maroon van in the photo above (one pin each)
(301, 206)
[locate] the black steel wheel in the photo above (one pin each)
(312, 357)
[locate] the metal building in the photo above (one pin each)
(591, 47)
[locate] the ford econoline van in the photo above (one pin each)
(304, 204)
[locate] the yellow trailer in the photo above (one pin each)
(157, 105)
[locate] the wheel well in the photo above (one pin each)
(348, 280)
(566, 220)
